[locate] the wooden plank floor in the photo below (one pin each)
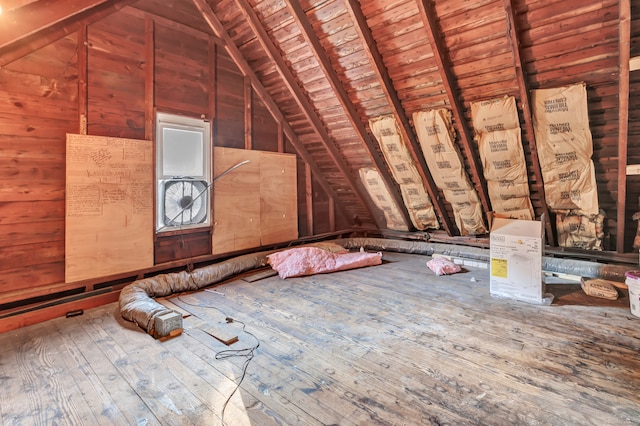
(390, 345)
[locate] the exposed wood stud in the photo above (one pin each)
(332, 214)
(236, 55)
(301, 99)
(248, 108)
(212, 89)
(514, 41)
(623, 117)
(371, 49)
(149, 78)
(83, 76)
(280, 138)
(308, 192)
(448, 80)
(350, 111)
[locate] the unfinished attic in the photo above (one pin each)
(381, 212)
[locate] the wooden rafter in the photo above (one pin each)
(38, 16)
(375, 58)
(301, 99)
(428, 18)
(514, 41)
(233, 51)
(19, 45)
(623, 117)
(341, 94)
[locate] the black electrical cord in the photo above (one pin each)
(247, 353)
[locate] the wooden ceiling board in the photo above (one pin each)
(396, 15)
(447, 9)
(388, 34)
(180, 11)
(473, 18)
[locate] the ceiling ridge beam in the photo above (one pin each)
(428, 18)
(379, 67)
(525, 101)
(233, 51)
(331, 75)
(29, 43)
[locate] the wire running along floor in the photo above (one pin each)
(391, 344)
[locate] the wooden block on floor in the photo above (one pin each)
(170, 305)
(171, 335)
(221, 332)
(260, 275)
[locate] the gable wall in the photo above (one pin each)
(41, 104)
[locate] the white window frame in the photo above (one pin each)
(179, 122)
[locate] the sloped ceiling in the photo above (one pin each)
(357, 60)
(329, 66)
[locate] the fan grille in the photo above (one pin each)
(185, 202)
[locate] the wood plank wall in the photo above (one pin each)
(40, 104)
(39, 107)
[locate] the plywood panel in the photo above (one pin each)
(278, 197)
(109, 206)
(236, 201)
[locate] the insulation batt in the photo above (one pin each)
(313, 260)
(442, 266)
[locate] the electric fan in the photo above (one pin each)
(185, 202)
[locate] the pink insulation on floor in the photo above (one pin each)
(442, 266)
(301, 261)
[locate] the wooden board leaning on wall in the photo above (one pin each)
(109, 206)
(256, 204)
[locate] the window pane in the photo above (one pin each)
(182, 153)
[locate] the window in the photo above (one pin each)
(183, 172)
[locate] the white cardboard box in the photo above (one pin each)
(516, 259)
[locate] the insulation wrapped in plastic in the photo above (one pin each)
(576, 230)
(498, 134)
(436, 136)
(404, 171)
(565, 148)
(381, 197)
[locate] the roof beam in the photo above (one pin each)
(428, 18)
(338, 88)
(623, 117)
(332, 77)
(233, 51)
(375, 58)
(290, 81)
(514, 42)
(38, 16)
(34, 39)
